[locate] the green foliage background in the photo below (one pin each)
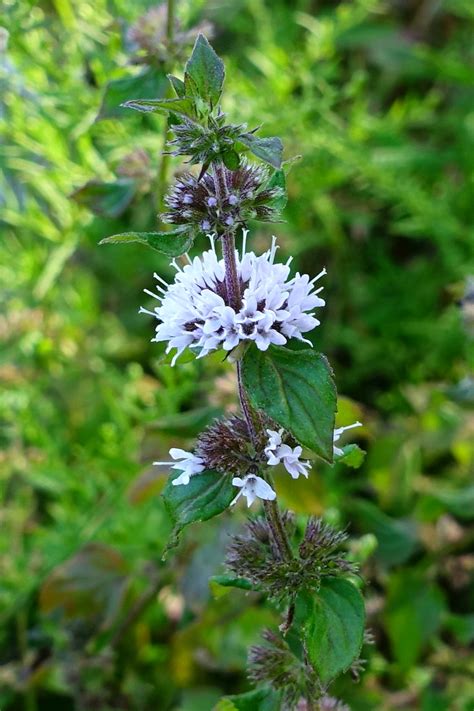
(378, 99)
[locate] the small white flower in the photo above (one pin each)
(190, 465)
(277, 452)
(193, 310)
(253, 487)
(338, 432)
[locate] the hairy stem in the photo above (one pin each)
(231, 277)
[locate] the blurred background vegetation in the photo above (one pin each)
(378, 98)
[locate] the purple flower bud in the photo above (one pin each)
(211, 201)
(233, 199)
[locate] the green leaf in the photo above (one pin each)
(171, 243)
(278, 180)
(459, 502)
(204, 72)
(296, 389)
(353, 456)
(217, 582)
(207, 495)
(106, 199)
(149, 84)
(397, 538)
(231, 160)
(259, 700)
(413, 615)
(180, 107)
(333, 623)
(177, 85)
(187, 424)
(269, 150)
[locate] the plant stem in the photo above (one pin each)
(272, 512)
(170, 17)
(162, 178)
(231, 276)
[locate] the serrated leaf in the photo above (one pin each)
(269, 149)
(180, 107)
(207, 495)
(149, 84)
(177, 85)
(333, 622)
(171, 243)
(296, 389)
(353, 456)
(204, 72)
(106, 199)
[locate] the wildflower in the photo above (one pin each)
(277, 452)
(194, 310)
(252, 487)
(190, 465)
(338, 432)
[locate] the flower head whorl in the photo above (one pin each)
(194, 310)
(197, 203)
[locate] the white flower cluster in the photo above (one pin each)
(279, 453)
(193, 311)
(252, 486)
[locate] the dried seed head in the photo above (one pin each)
(322, 537)
(253, 555)
(225, 446)
(196, 202)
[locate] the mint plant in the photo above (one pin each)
(257, 312)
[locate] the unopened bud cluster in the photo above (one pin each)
(204, 143)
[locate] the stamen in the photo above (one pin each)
(152, 293)
(141, 310)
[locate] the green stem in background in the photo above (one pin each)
(170, 20)
(163, 170)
